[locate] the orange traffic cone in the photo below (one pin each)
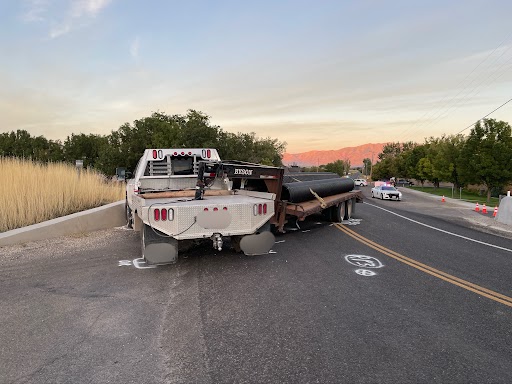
(484, 209)
(443, 199)
(477, 208)
(495, 211)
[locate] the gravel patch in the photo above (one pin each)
(61, 245)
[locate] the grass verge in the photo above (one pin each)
(466, 195)
(31, 192)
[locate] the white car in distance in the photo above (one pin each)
(386, 192)
(360, 182)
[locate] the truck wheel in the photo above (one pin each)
(158, 248)
(128, 214)
(354, 201)
(349, 210)
(339, 212)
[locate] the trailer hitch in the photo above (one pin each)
(217, 241)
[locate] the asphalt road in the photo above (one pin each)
(77, 310)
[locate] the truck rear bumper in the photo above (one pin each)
(193, 219)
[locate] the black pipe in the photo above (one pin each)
(308, 176)
(299, 192)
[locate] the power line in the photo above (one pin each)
(437, 112)
(470, 94)
(437, 109)
(502, 105)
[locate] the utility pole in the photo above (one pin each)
(371, 163)
(371, 167)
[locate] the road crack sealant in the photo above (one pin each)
(181, 336)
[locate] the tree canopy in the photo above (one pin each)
(486, 156)
(483, 157)
(124, 146)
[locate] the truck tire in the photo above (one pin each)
(128, 214)
(339, 212)
(158, 248)
(350, 208)
(354, 204)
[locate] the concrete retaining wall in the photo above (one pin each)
(107, 216)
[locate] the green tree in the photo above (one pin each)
(83, 147)
(124, 147)
(22, 144)
(444, 155)
(338, 166)
(367, 164)
(424, 170)
(411, 161)
(392, 160)
(383, 169)
(486, 156)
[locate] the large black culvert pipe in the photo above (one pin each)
(308, 176)
(300, 192)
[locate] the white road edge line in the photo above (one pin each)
(442, 230)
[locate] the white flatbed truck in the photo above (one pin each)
(181, 195)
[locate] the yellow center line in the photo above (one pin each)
(427, 269)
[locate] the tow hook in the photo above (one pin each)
(217, 241)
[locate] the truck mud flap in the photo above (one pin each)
(259, 244)
(158, 249)
(161, 253)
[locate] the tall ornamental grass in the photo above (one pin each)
(32, 192)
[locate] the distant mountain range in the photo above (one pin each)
(354, 154)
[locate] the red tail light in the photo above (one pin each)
(265, 209)
(155, 154)
(215, 209)
(206, 209)
(164, 214)
(260, 209)
(208, 153)
(225, 208)
(156, 213)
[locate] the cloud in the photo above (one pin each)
(134, 48)
(79, 13)
(35, 11)
(59, 30)
(88, 7)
